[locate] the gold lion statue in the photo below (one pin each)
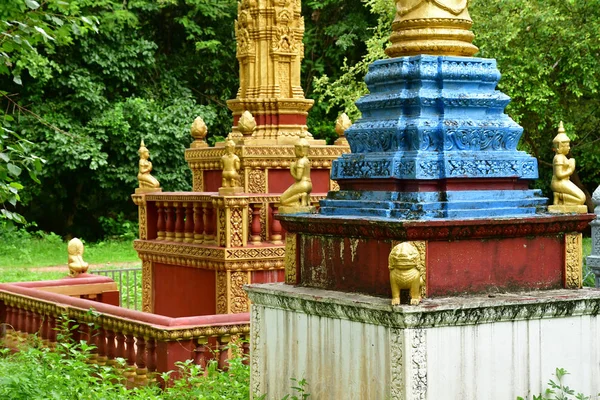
(404, 273)
(76, 264)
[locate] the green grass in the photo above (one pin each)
(23, 255)
(51, 250)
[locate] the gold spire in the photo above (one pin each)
(269, 51)
(434, 27)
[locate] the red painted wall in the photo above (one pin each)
(453, 267)
(480, 265)
(212, 181)
(281, 179)
(183, 292)
(356, 266)
(272, 276)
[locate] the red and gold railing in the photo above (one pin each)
(150, 344)
(206, 218)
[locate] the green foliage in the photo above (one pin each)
(25, 27)
(39, 373)
(558, 390)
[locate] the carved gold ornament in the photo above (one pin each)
(199, 131)
(573, 261)
(341, 126)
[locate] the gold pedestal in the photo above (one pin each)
(565, 209)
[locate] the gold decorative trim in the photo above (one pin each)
(222, 280)
(143, 223)
(257, 181)
(147, 285)
(290, 258)
(197, 180)
(238, 299)
(573, 261)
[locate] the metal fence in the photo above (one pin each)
(130, 285)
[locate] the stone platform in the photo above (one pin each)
(350, 346)
(457, 256)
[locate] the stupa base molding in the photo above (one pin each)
(351, 346)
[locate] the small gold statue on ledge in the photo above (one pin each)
(230, 163)
(76, 264)
(296, 198)
(148, 183)
(404, 272)
(568, 198)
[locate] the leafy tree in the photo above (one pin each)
(27, 26)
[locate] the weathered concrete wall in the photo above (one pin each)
(358, 347)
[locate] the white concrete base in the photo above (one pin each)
(358, 347)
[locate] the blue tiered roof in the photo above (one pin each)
(434, 118)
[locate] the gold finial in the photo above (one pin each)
(147, 182)
(568, 198)
(434, 27)
(76, 264)
(247, 123)
(561, 136)
(341, 126)
(199, 132)
(404, 272)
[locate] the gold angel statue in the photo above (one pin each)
(567, 196)
(297, 197)
(76, 264)
(148, 183)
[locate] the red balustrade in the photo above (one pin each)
(151, 344)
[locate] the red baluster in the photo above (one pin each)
(275, 227)
(224, 352)
(255, 227)
(20, 325)
(202, 353)
(209, 224)
(120, 338)
(52, 329)
(189, 222)
(35, 323)
(129, 373)
(179, 222)
(170, 217)
(198, 223)
(151, 357)
(141, 372)
(160, 222)
(111, 349)
(101, 343)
